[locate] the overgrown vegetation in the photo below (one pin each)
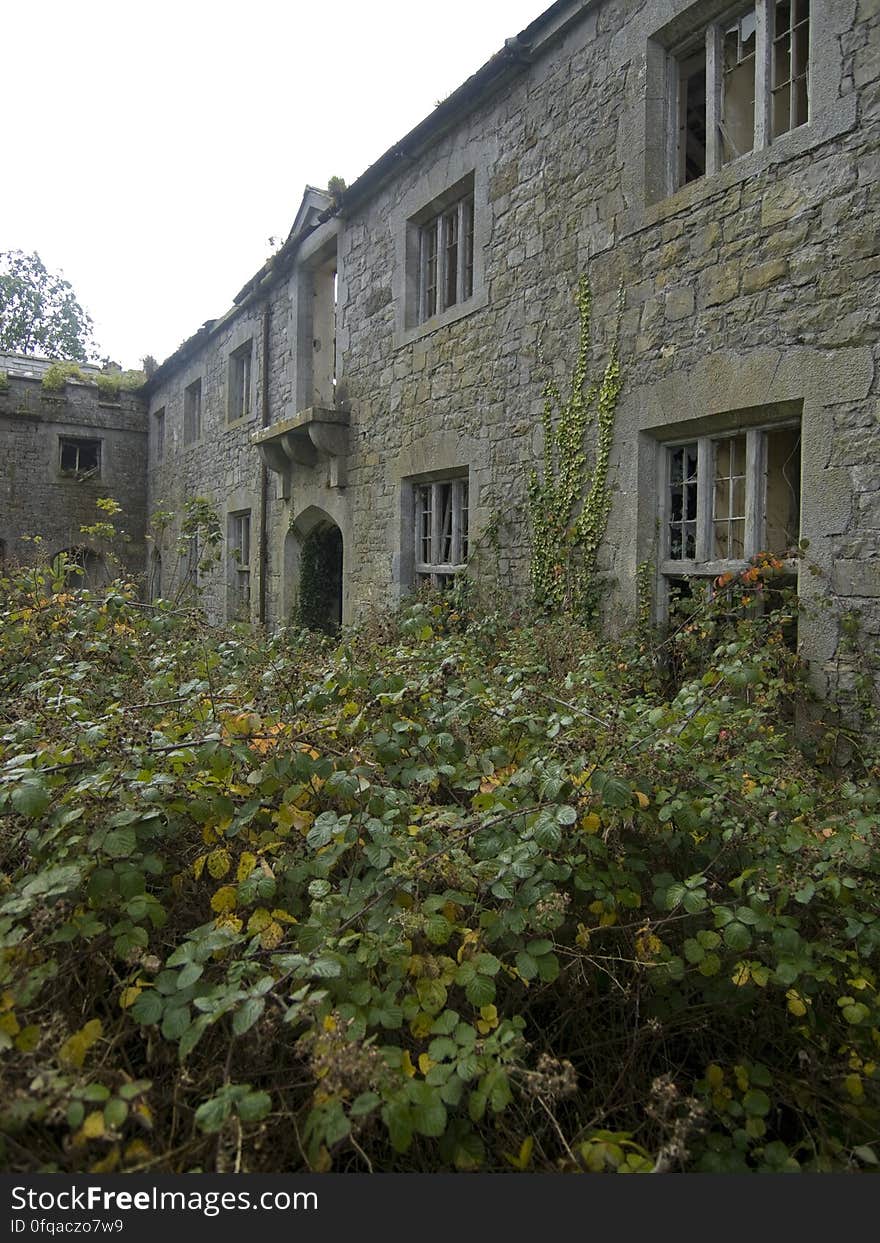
(569, 502)
(109, 383)
(447, 894)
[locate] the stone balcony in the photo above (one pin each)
(310, 437)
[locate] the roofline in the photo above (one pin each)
(517, 54)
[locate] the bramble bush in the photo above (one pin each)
(449, 894)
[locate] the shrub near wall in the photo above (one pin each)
(449, 895)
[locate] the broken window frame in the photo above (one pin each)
(192, 412)
(441, 514)
(446, 258)
(709, 43)
(79, 458)
(705, 563)
(240, 380)
(239, 550)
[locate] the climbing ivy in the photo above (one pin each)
(570, 501)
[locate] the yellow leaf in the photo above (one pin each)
(9, 1024)
(643, 799)
(259, 921)
(246, 865)
(421, 1025)
(144, 1114)
(425, 1063)
(525, 1151)
(284, 917)
(7, 1000)
(107, 1164)
(209, 835)
(323, 1162)
(853, 1085)
(591, 823)
(219, 863)
(137, 1152)
(272, 936)
(129, 996)
(199, 866)
(225, 900)
(583, 936)
(75, 1048)
(27, 1039)
(350, 708)
(714, 1075)
(93, 1127)
(329, 1023)
(489, 1014)
(406, 1065)
(741, 974)
(795, 1003)
(233, 923)
(742, 1077)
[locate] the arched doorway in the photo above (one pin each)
(86, 568)
(313, 572)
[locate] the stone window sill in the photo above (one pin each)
(476, 302)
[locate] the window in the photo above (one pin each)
(239, 406)
(728, 497)
(743, 82)
(192, 412)
(441, 530)
(239, 547)
(446, 257)
(159, 429)
(80, 458)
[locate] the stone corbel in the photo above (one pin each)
(310, 437)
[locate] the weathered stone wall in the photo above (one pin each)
(750, 291)
(221, 466)
(754, 286)
(36, 498)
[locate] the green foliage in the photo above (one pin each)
(569, 503)
(39, 313)
(4, 381)
(447, 895)
(57, 374)
(112, 383)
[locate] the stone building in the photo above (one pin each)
(62, 450)
(372, 400)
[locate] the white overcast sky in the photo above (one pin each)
(153, 149)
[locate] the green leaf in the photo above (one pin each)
(245, 1017)
(364, 1104)
(325, 969)
(120, 843)
(211, 1115)
(480, 991)
(175, 1021)
(756, 1103)
(438, 929)
(148, 1007)
(31, 798)
(115, 1112)
(737, 936)
(526, 965)
(254, 1107)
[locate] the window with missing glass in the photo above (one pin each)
(739, 84)
(446, 257)
(441, 530)
(727, 497)
(192, 412)
(239, 404)
(239, 549)
(80, 458)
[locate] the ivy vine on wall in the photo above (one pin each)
(570, 500)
